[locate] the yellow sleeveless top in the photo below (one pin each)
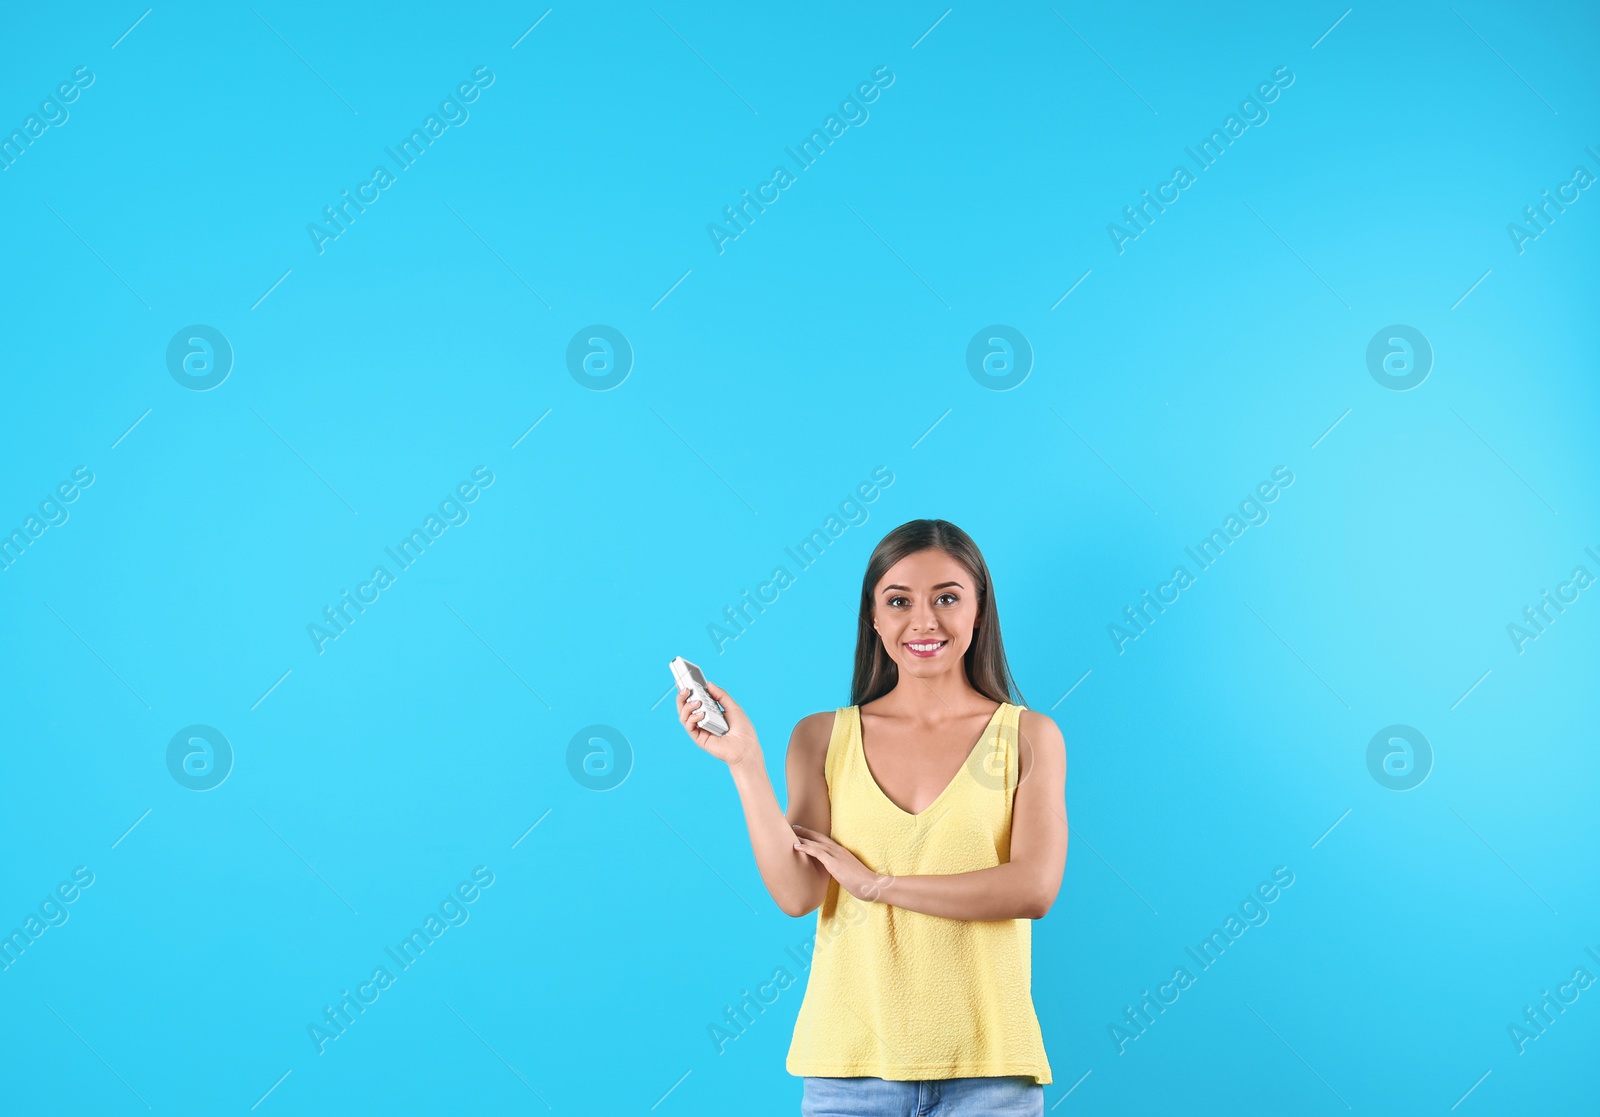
(898, 994)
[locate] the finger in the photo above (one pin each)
(722, 696)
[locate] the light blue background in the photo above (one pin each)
(823, 343)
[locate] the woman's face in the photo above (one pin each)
(924, 609)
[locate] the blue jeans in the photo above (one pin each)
(938, 1097)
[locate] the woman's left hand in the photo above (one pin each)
(842, 865)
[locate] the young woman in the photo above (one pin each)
(927, 821)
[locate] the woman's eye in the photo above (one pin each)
(947, 599)
(896, 602)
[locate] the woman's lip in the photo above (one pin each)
(925, 655)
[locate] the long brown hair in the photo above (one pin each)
(985, 660)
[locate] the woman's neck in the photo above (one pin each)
(932, 699)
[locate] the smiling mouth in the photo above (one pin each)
(925, 649)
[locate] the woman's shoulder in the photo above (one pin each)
(1039, 727)
(813, 731)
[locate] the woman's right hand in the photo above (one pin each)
(735, 746)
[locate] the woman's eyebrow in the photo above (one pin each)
(940, 586)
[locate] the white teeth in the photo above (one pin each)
(927, 647)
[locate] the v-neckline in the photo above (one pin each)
(861, 747)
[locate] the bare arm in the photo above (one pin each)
(795, 881)
(1024, 887)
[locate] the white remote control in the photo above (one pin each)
(688, 675)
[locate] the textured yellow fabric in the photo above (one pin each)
(898, 994)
